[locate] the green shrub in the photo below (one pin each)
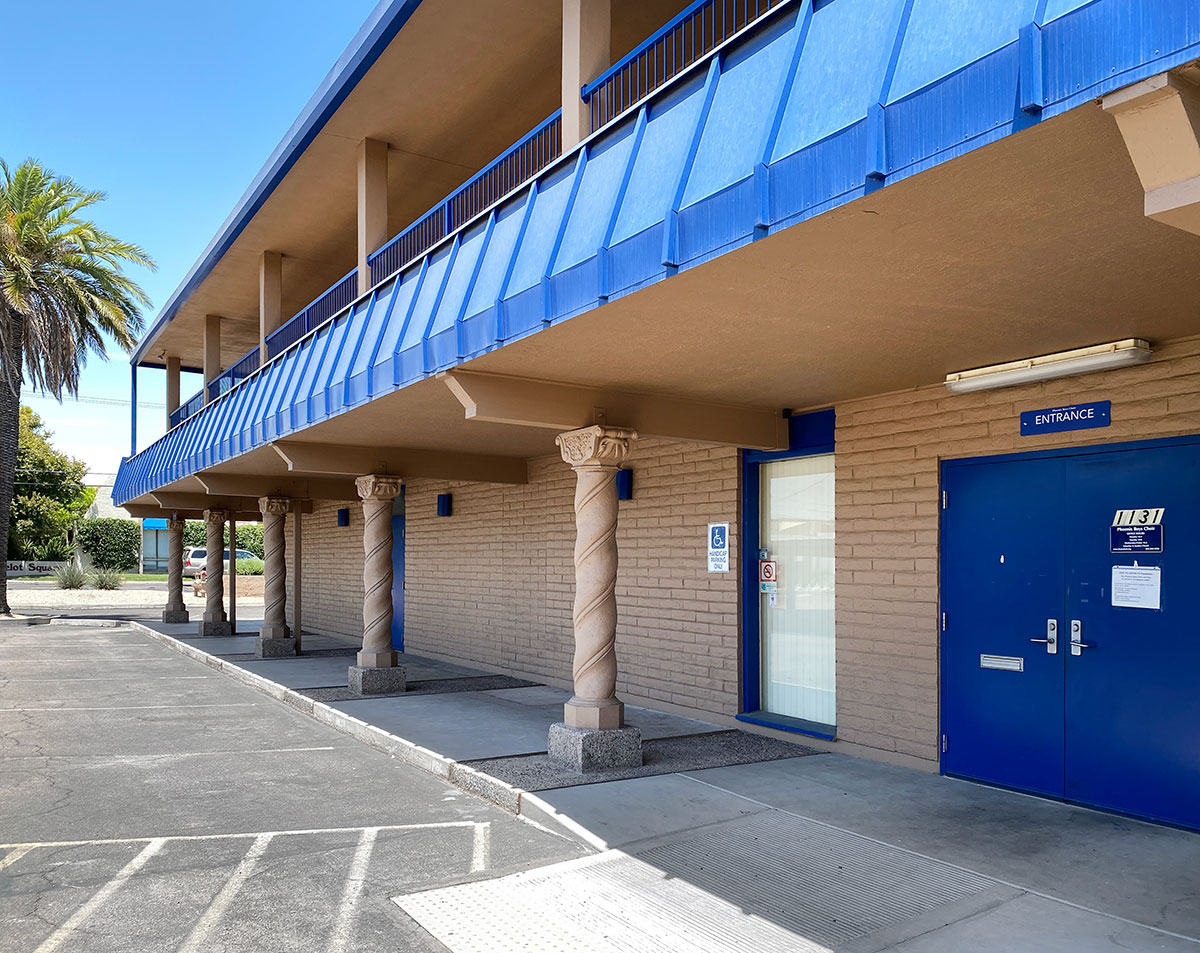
(57, 550)
(107, 578)
(70, 576)
(112, 543)
(249, 567)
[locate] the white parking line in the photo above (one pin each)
(77, 919)
(13, 857)
(112, 678)
(430, 826)
(199, 935)
(343, 927)
(133, 707)
(481, 847)
(156, 758)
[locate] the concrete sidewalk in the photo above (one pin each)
(799, 850)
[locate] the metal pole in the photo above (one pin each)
(232, 575)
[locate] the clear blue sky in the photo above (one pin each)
(171, 109)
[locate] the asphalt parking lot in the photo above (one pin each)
(148, 803)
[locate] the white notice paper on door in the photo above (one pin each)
(1137, 587)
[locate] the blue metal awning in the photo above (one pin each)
(818, 105)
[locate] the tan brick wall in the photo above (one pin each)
(495, 581)
(332, 582)
(889, 450)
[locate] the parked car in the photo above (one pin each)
(195, 559)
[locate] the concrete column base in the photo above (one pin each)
(377, 659)
(582, 751)
(605, 715)
(175, 614)
(274, 648)
(274, 632)
(365, 680)
(214, 629)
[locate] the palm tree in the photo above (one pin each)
(62, 291)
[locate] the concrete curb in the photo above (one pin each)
(512, 799)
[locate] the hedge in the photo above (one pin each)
(112, 543)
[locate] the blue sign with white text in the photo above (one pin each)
(1136, 539)
(1072, 417)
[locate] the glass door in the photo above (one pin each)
(796, 612)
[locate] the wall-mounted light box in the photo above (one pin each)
(343, 516)
(444, 504)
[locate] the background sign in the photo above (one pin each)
(1071, 417)
(718, 547)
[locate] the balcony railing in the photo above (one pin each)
(522, 160)
(185, 410)
(317, 311)
(695, 31)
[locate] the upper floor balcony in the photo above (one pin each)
(728, 124)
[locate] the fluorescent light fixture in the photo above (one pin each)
(1084, 360)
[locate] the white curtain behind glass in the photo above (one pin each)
(796, 507)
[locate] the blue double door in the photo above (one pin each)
(1070, 651)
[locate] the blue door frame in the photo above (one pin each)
(398, 583)
(1113, 726)
(808, 435)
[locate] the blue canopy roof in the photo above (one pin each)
(820, 104)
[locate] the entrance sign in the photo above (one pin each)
(1071, 417)
(718, 547)
(1137, 587)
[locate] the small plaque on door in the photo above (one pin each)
(1005, 663)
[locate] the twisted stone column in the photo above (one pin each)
(176, 610)
(274, 638)
(215, 621)
(595, 453)
(377, 492)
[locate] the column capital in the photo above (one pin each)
(378, 486)
(274, 505)
(216, 516)
(176, 526)
(595, 446)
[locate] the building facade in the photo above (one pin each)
(821, 367)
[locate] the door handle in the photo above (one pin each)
(1077, 643)
(1051, 639)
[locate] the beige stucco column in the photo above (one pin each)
(376, 670)
(173, 368)
(270, 298)
(274, 638)
(595, 453)
(372, 204)
(176, 610)
(215, 621)
(586, 53)
(212, 351)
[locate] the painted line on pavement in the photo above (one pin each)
(135, 707)
(170, 838)
(111, 678)
(212, 916)
(167, 756)
(14, 856)
(343, 927)
(77, 919)
(481, 847)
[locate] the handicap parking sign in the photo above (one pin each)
(718, 547)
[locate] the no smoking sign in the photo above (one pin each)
(766, 570)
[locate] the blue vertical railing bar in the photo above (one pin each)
(315, 313)
(696, 30)
(522, 160)
(185, 410)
